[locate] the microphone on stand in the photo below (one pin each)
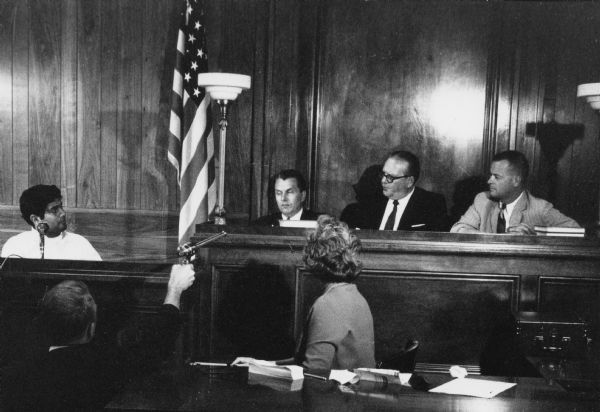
(187, 250)
(42, 227)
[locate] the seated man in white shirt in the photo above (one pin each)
(41, 207)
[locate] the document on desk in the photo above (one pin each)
(473, 387)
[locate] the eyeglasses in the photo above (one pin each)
(390, 178)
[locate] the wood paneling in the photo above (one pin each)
(44, 92)
(20, 98)
(89, 91)
(158, 178)
(399, 84)
(68, 102)
(110, 55)
(129, 116)
(6, 175)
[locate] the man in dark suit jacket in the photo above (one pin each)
(76, 374)
(403, 205)
(290, 193)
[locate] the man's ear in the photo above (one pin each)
(303, 195)
(517, 180)
(34, 219)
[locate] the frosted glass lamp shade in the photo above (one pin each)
(591, 92)
(224, 86)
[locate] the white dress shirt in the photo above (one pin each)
(390, 207)
(509, 209)
(67, 246)
(297, 216)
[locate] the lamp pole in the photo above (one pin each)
(219, 212)
(223, 88)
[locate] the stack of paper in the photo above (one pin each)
(560, 231)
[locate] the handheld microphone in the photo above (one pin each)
(42, 227)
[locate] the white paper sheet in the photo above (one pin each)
(473, 387)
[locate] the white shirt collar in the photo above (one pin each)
(297, 216)
(390, 206)
(510, 207)
(51, 239)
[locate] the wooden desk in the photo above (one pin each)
(252, 293)
(191, 389)
(447, 290)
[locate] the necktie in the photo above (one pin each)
(501, 228)
(389, 225)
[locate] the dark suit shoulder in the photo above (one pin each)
(268, 220)
(309, 215)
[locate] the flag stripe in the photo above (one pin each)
(191, 143)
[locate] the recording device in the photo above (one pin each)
(187, 250)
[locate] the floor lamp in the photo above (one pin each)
(223, 88)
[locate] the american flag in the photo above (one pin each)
(191, 144)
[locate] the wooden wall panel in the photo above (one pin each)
(109, 106)
(44, 92)
(158, 185)
(7, 9)
(400, 84)
(129, 116)
(20, 98)
(68, 102)
(252, 312)
(89, 92)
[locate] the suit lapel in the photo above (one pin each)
(410, 211)
(517, 214)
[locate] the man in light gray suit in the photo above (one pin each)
(508, 206)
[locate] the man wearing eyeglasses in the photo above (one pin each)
(406, 207)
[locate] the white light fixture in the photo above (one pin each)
(591, 92)
(224, 88)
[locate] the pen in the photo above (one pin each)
(310, 375)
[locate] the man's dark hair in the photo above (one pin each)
(517, 161)
(66, 312)
(414, 166)
(33, 201)
(292, 174)
(332, 251)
